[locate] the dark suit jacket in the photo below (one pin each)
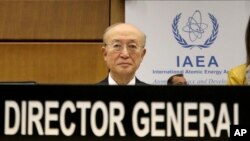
(105, 82)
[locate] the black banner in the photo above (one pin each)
(132, 113)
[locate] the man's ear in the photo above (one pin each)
(104, 52)
(143, 52)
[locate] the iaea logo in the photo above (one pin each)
(195, 28)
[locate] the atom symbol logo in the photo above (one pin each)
(195, 27)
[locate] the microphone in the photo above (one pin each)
(248, 75)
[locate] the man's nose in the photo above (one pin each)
(125, 51)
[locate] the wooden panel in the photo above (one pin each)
(117, 13)
(68, 63)
(83, 20)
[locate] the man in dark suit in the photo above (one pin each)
(123, 51)
(177, 79)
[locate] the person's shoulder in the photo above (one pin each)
(237, 75)
(143, 84)
(103, 82)
(239, 68)
(139, 82)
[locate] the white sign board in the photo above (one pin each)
(201, 39)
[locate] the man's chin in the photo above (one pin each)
(124, 66)
(125, 71)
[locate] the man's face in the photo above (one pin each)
(124, 50)
(178, 80)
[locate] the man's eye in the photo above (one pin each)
(132, 46)
(116, 46)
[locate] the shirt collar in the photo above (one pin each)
(112, 81)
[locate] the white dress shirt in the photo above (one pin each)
(112, 81)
